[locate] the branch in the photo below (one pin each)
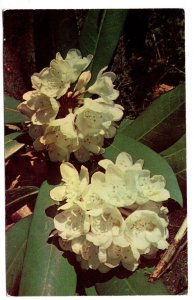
(167, 259)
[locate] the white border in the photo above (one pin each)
(62, 4)
(189, 12)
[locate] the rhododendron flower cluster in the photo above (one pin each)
(113, 218)
(64, 119)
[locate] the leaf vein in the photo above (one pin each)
(160, 121)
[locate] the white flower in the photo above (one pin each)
(87, 251)
(90, 197)
(128, 256)
(82, 81)
(123, 162)
(104, 86)
(55, 80)
(74, 183)
(65, 244)
(49, 82)
(144, 229)
(117, 189)
(89, 145)
(151, 188)
(60, 139)
(105, 226)
(139, 185)
(96, 117)
(40, 108)
(71, 67)
(36, 131)
(72, 222)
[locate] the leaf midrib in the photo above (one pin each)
(47, 270)
(98, 37)
(22, 197)
(174, 153)
(12, 109)
(160, 121)
(16, 256)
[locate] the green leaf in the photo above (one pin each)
(91, 291)
(17, 195)
(12, 136)
(11, 145)
(162, 123)
(46, 272)
(152, 161)
(16, 240)
(176, 157)
(136, 284)
(100, 36)
(11, 114)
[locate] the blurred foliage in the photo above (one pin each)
(165, 35)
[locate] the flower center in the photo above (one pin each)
(69, 102)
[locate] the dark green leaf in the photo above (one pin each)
(46, 272)
(162, 123)
(16, 195)
(12, 136)
(153, 161)
(100, 35)
(136, 284)
(11, 147)
(91, 291)
(16, 240)
(11, 114)
(176, 157)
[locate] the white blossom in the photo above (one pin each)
(59, 139)
(88, 146)
(105, 226)
(72, 222)
(144, 228)
(73, 183)
(40, 108)
(117, 189)
(54, 81)
(87, 251)
(127, 256)
(133, 180)
(96, 117)
(104, 86)
(91, 223)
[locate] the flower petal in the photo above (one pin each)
(58, 193)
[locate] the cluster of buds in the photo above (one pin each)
(113, 218)
(64, 116)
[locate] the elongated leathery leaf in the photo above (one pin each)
(100, 35)
(46, 272)
(136, 284)
(162, 123)
(91, 291)
(176, 157)
(152, 161)
(16, 240)
(12, 136)
(11, 114)
(17, 195)
(11, 145)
